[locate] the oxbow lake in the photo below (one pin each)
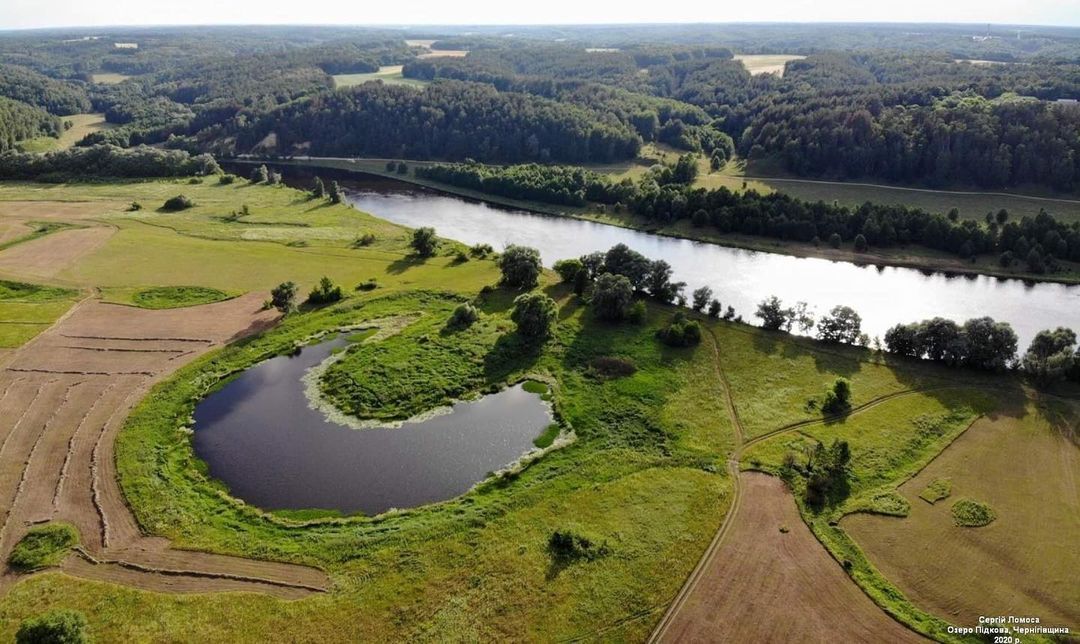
(259, 435)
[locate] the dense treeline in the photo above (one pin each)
(53, 96)
(1039, 243)
(446, 120)
(20, 122)
(104, 161)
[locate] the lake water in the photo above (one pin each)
(259, 435)
(883, 296)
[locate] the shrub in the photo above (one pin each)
(370, 285)
(967, 513)
(177, 203)
(391, 166)
(424, 241)
(681, 332)
(226, 179)
(325, 293)
(568, 269)
(636, 313)
(860, 244)
(520, 266)
(402, 168)
(534, 314)
(611, 297)
(838, 398)
(463, 316)
(135, 206)
(43, 546)
(613, 367)
(283, 297)
(481, 250)
(567, 545)
(61, 626)
(366, 239)
(835, 240)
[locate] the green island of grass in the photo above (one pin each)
(968, 513)
(44, 546)
(173, 297)
(937, 490)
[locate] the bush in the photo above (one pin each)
(391, 166)
(838, 398)
(424, 241)
(481, 250)
(370, 285)
(520, 266)
(534, 314)
(681, 332)
(177, 203)
(567, 545)
(402, 168)
(283, 297)
(226, 179)
(613, 367)
(61, 626)
(325, 293)
(834, 240)
(135, 206)
(463, 316)
(366, 239)
(967, 513)
(568, 269)
(611, 297)
(860, 244)
(636, 313)
(43, 546)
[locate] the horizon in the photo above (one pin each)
(61, 14)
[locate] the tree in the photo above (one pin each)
(714, 308)
(318, 190)
(1035, 262)
(335, 193)
(568, 269)
(773, 314)
(701, 298)
(593, 263)
(325, 293)
(622, 260)
(283, 297)
(60, 626)
(842, 324)
(903, 340)
(611, 297)
(860, 243)
(424, 241)
(260, 175)
(835, 240)
(179, 202)
(659, 284)
(534, 314)
(838, 398)
(1050, 356)
(940, 340)
(520, 266)
(989, 345)
(463, 316)
(827, 471)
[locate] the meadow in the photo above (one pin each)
(641, 470)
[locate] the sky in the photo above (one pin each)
(21, 14)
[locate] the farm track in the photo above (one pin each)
(738, 573)
(64, 397)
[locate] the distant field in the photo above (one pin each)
(432, 53)
(110, 79)
(81, 125)
(765, 63)
(390, 75)
(961, 573)
(971, 204)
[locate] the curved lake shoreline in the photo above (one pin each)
(259, 435)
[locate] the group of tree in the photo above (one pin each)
(979, 343)
(21, 122)
(77, 164)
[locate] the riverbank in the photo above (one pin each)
(914, 257)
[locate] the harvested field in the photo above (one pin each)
(765, 63)
(63, 398)
(766, 585)
(66, 210)
(1027, 470)
(49, 256)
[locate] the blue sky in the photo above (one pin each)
(65, 13)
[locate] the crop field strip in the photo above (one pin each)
(58, 424)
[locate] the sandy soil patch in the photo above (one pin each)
(767, 585)
(48, 256)
(63, 399)
(765, 63)
(1025, 562)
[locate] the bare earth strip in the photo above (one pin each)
(63, 399)
(51, 255)
(765, 585)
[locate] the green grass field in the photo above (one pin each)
(390, 75)
(28, 309)
(81, 125)
(645, 473)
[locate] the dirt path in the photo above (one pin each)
(756, 583)
(63, 399)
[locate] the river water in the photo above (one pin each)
(883, 296)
